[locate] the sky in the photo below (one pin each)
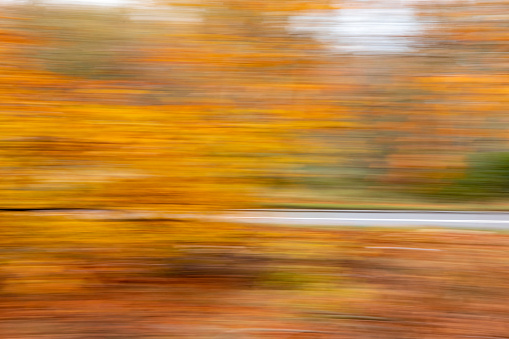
(375, 29)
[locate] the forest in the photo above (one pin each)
(118, 121)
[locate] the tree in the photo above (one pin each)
(78, 135)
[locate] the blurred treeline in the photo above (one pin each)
(192, 104)
(206, 105)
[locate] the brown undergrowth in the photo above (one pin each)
(280, 283)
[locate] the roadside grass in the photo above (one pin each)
(382, 229)
(359, 199)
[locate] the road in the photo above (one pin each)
(451, 219)
(371, 218)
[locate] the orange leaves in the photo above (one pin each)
(7, 37)
(258, 5)
(464, 79)
(289, 5)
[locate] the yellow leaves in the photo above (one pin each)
(204, 116)
(191, 56)
(477, 92)
(299, 5)
(469, 79)
(500, 90)
(295, 86)
(259, 5)
(111, 91)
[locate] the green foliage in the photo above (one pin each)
(487, 176)
(284, 279)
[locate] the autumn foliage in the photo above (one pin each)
(126, 132)
(103, 105)
(114, 125)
